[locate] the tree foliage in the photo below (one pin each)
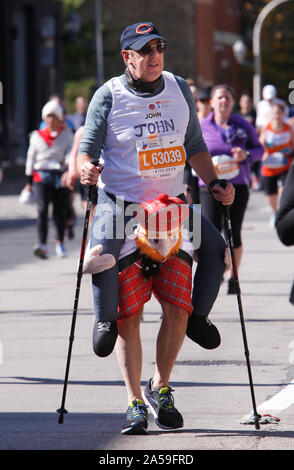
(79, 54)
(277, 43)
(69, 5)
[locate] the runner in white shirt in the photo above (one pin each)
(143, 126)
(264, 107)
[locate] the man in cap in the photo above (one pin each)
(203, 103)
(143, 126)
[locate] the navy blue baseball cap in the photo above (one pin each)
(137, 35)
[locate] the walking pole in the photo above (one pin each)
(291, 298)
(256, 417)
(62, 409)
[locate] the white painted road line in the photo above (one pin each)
(279, 402)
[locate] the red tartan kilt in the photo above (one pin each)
(173, 284)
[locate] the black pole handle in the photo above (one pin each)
(221, 182)
(91, 188)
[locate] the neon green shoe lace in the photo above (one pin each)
(166, 398)
(137, 409)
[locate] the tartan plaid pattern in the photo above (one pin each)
(173, 284)
(162, 215)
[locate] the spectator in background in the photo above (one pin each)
(233, 145)
(248, 112)
(264, 107)
(66, 118)
(278, 141)
(193, 89)
(70, 212)
(78, 118)
(46, 167)
(203, 103)
(203, 106)
(191, 82)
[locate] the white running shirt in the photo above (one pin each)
(144, 152)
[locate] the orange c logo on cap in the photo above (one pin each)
(144, 28)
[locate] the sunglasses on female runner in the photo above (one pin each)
(145, 50)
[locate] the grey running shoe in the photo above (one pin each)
(161, 403)
(136, 421)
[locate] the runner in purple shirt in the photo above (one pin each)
(233, 145)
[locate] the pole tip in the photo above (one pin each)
(256, 418)
(61, 411)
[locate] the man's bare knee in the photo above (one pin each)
(174, 312)
(129, 324)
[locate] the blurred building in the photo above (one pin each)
(30, 69)
(200, 33)
(217, 29)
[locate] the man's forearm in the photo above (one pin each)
(201, 162)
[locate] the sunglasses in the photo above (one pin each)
(145, 50)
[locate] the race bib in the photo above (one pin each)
(225, 166)
(276, 160)
(160, 156)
